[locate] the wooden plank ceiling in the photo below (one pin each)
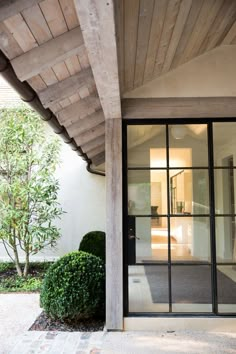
(44, 43)
(49, 48)
(156, 36)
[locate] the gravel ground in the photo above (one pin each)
(45, 323)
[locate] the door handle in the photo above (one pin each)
(132, 237)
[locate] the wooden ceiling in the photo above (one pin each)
(49, 48)
(44, 43)
(156, 36)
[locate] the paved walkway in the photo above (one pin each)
(18, 312)
(126, 342)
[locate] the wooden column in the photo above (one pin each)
(114, 242)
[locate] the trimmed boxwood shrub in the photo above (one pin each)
(94, 242)
(74, 287)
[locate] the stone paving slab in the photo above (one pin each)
(17, 314)
(126, 343)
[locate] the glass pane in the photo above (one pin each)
(147, 239)
(188, 145)
(224, 143)
(146, 145)
(189, 191)
(225, 239)
(191, 288)
(225, 180)
(226, 285)
(147, 192)
(148, 288)
(190, 239)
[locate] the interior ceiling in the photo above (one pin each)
(156, 36)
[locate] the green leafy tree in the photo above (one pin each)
(28, 188)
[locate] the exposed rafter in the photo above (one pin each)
(50, 53)
(78, 109)
(93, 143)
(87, 123)
(91, 134)
(63, 89)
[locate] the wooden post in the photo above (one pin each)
(114, 244)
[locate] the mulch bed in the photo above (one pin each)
(45, 323)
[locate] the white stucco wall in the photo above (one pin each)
(209, 75)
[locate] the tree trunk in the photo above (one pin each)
(26, 268)
(17, 263)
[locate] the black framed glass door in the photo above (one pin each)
(179, 217)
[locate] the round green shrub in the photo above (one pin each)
(94, 242)
(74, 287)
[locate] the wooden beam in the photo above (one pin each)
(98, 26)
(86, 123)
(50, 53)
(10, 8)
(99, 158)
(92, 134)
(74, 111)
(93, 143)
(114, 233)
(63, 89)
(93, 152)
(199, 107)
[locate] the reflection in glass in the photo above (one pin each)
(190, 239)
(147, 192)
(226, 285)
(191, 288)
(141, 139)
(189, 191)
(188, 145)
(148, 239)
(225, 180)
(224, 143)
(148, 288)
(225, 239)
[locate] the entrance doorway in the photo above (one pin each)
(179, 232)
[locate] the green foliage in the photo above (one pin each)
(94, 242)
(74, 287)
(19, 284)
(28, 188)
(11, 282)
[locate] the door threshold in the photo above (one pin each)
(210, 324)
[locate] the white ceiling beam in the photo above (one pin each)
(98, 27)
(48, 54)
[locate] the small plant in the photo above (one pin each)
(74, 287)
(94, 242)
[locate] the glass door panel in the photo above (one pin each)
(171, 230)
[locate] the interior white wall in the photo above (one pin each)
(209, 75)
